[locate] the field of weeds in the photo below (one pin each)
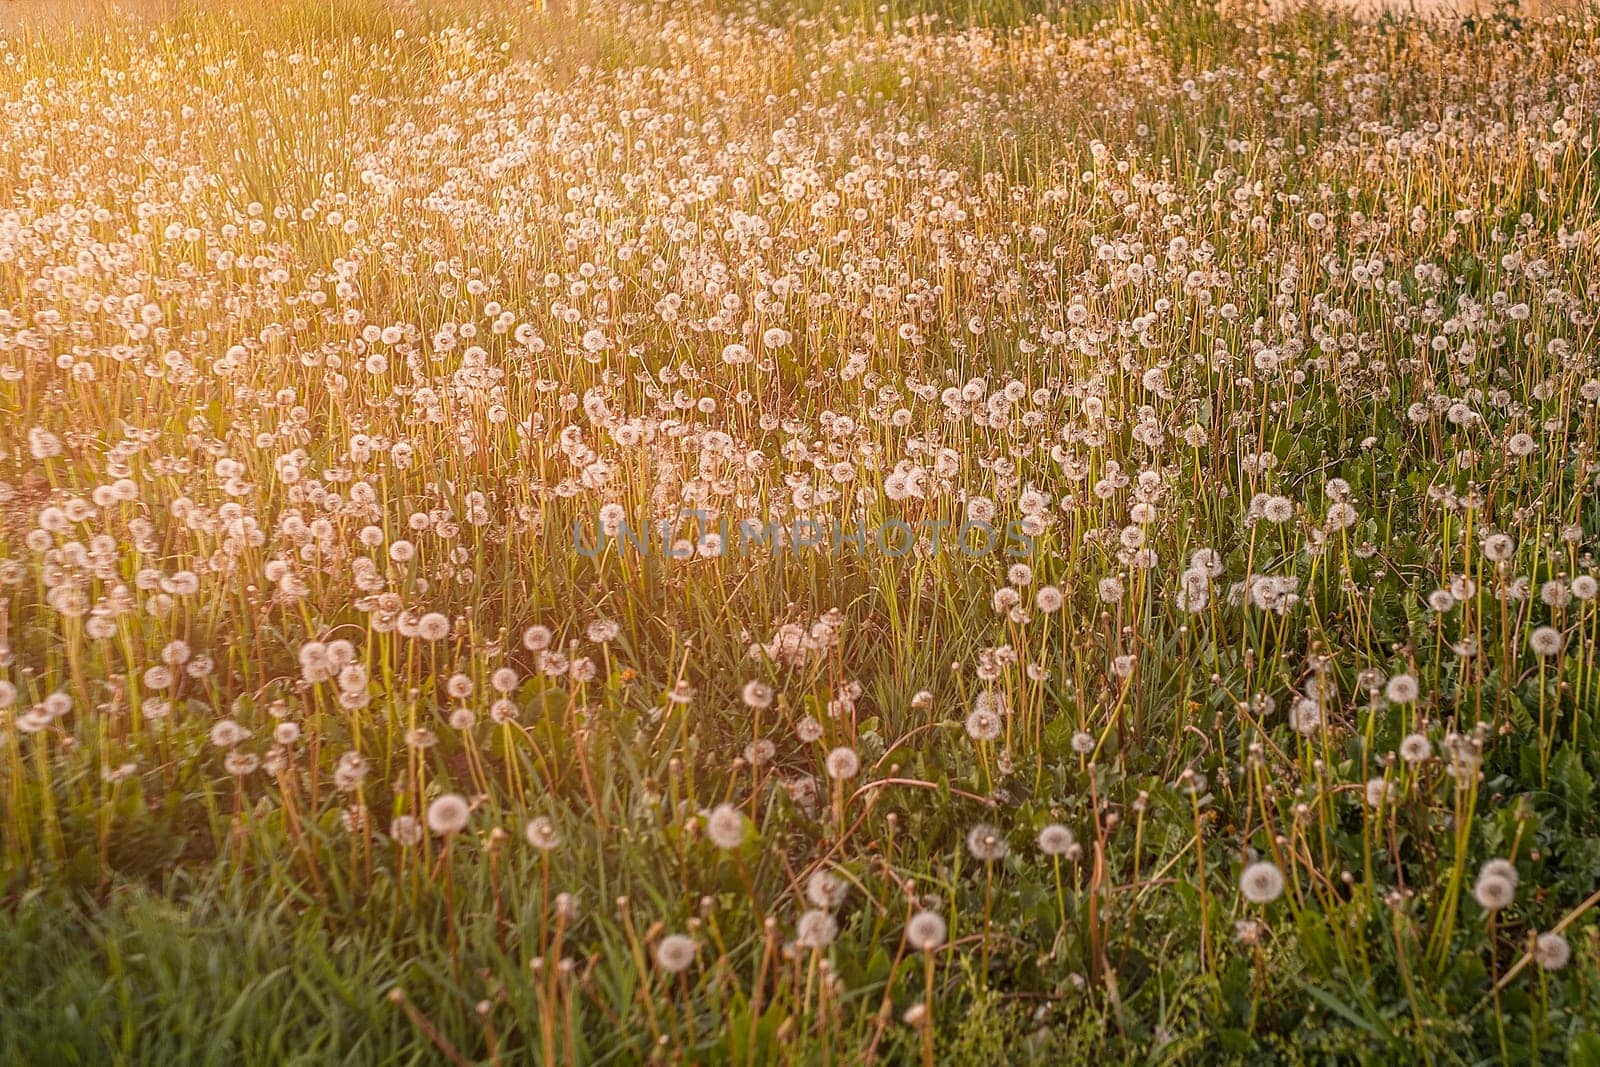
(734, 532)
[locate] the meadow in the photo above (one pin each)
(737, 532)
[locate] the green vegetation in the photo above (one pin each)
(331, 335)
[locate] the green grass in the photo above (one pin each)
(1204, 265)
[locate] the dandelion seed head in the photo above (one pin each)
(986, 843)
(1551, 951)
(983, 725)
(541, 833)
(824, 890)
(925, 931)
(1415, 748)
(1545, 641)
(1261, 882)
(843, 763)
(725, 826)
(1056, 840)
(1493, 892)
(1401, 689)
(448, 814)
(406, 831)
(675, 953)
(816, 929)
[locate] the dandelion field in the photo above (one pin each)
(738, 532)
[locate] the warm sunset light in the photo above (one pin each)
(799, 531)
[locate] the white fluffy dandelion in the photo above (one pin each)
(725, 826)
(1261, 882)
(842, 763)
(448, 814)
(1551, 951)
(1496, 886)
(925, 931)
(406, 831)
(987, 843)
(1402, 689)
(1545, 641)
(1415, 748)
(1056, 840)
(541, 833)
(816, 929)
(824, 890)
(983, 725)
(675, 952)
